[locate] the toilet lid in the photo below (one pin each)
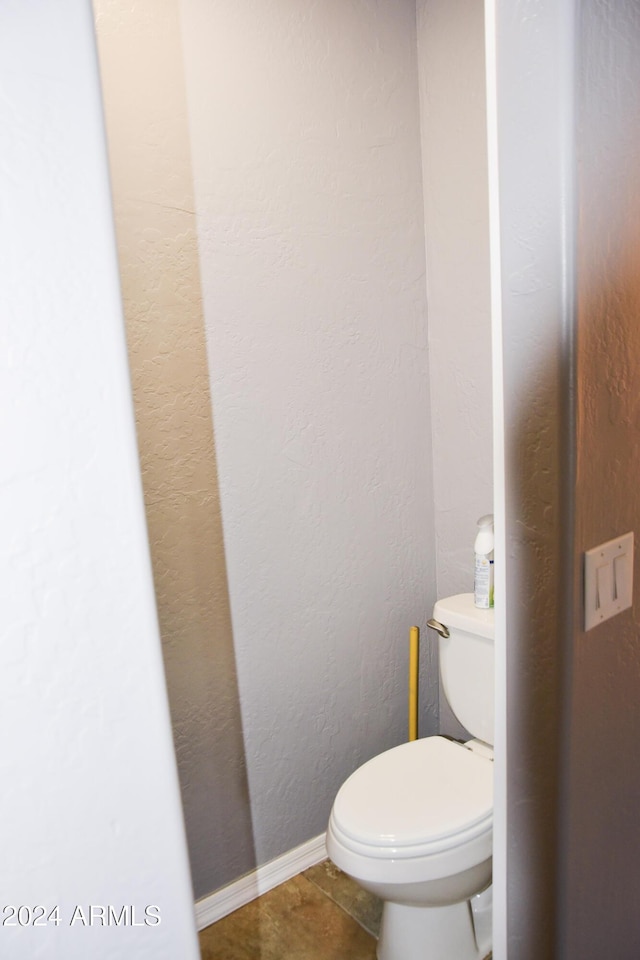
(420, 792)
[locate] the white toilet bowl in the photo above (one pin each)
(414, 826)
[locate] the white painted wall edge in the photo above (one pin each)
(499, 498)
(259, 881)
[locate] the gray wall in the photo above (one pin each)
(602, 873)
(305, 140)
(454, 185)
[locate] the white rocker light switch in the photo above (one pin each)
(608, 580)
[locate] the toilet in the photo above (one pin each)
(414, 825)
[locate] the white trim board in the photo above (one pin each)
(259, 881)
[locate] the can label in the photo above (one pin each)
(483, 582)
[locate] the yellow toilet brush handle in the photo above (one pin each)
(414, 647)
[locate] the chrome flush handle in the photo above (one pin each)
(438, 627)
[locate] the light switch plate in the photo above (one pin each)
(608, 580)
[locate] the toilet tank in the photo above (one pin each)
(466, 662)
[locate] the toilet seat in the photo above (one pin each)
(415, 800)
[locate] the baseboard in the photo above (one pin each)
(259, 881)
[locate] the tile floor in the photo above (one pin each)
(319, 915)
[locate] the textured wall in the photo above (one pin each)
(144, 97)
(454, 162)
(535, 128)
(305, 141)
(454, 155)
(90, 801)
(603, 870)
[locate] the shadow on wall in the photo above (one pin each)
(146, 119)
(537, 583)
(539, 377)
